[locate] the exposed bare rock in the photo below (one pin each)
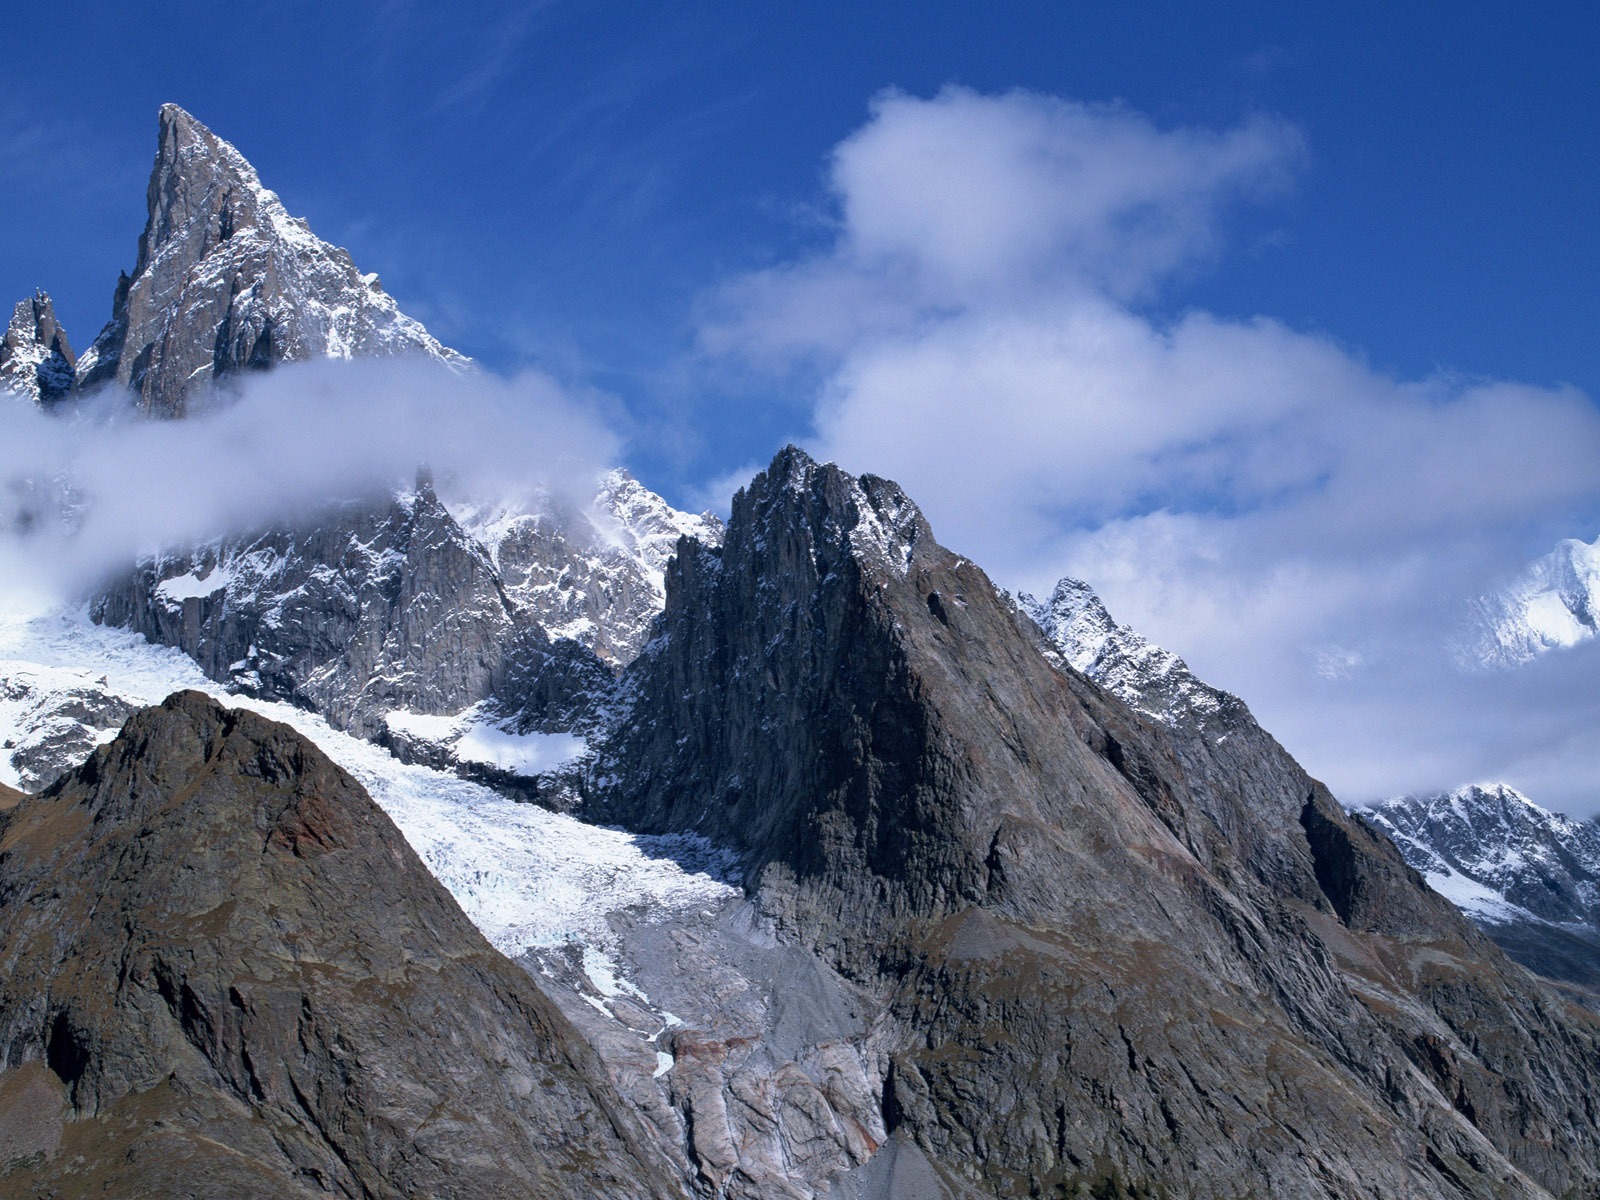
(53, 720)
(410, 605)
(227, 281)
(1109, 958)
(379, 606)
(36, 359)
(1529, 877)
(226, 973)
(591, 573)
(753, 1055)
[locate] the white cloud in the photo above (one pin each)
(289, 442)
(971, 200)
(1300, 526)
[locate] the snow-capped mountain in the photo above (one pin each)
(36, 359)
(397, 605)
(856, 891)
(592, 573)
(1529, 876)
(227, 281)
(1488, 847)
(1136, 670)
(1553, 605)
(406, 607)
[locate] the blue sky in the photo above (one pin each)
(1276, 322)
(559, 184)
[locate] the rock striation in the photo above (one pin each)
(1529, 877)
(1526, 876)
(227, 973)
(36, 359)
(227, 281)
(1108, 960)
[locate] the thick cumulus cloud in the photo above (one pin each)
(1304, 528)
(280, 448)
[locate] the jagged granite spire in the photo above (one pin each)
(226, 281)
(36, 360)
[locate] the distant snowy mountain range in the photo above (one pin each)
(1553, 605)
(1530, 878)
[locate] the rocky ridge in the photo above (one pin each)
(1529, 877)
(227, 972)
(36, 359)
(1086, 942)
(1524, 875)
(401, 604)
(1003, 933)
(227, 281)
(1134, 669)
(385, 609)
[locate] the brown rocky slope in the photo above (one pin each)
(1109, 963)
(224, 972)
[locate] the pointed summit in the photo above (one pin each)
(227, 281)
(36, 360)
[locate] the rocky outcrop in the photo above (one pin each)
(591, 572)
(52, 721)
(377, 607)
(227, 281)
(1109, 960)
(1525, 876)
(228, 974)
(36, 359)
(398, 606)
(1529, 877)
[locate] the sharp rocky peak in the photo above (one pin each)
(36, 359)
(822, 511)
(1011, 865)
(1138, 672)
(227, 281)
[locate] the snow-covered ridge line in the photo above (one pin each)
(1498, 855)
(1553, 605)
(1138, 672)
(528, 878)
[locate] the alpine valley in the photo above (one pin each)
(443, 845)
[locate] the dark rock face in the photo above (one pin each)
(1529, 877)
(226, 281)
(226, 973)
(381, 606)
(397, 605)
(36, 359)
(1108, 956)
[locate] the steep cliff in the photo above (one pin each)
(227, 281)
(1109, 959)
